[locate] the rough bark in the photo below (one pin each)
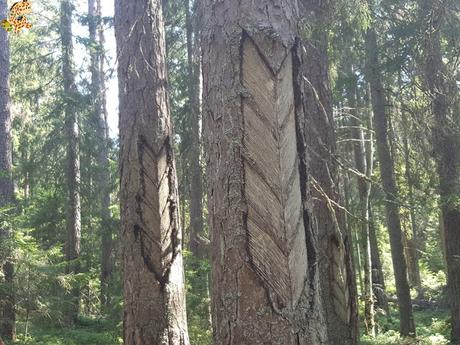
(364, 167)
(443, 95)
(7, 298)
(336, 269)
(72, 248)
(264, 250)
(373, 75)
(196, 243)
(154, 309)
(98, 96)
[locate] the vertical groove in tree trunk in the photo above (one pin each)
(264, 275)
(196, 244)
(443, 95)
(73, 156)
(97, 39)
(7, 297)
(364, 167)
(154, 291)
(407, 326)
(337, 277)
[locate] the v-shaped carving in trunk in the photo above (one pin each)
(275, 225)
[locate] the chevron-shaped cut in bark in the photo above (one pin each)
(339, 284)
(277, 242)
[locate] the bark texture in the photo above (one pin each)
(333, 252)
(407, 326)
(443, 94)
(97, 63)
(72, 249)
(154, 309)
(264, 251)
(7, 298)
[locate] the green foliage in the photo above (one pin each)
(86, 332)
(432, 329)
(197, 274)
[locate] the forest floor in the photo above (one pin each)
(432, 329)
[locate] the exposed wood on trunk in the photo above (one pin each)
(154, 291)
(373, 75)
(275, 217)
(7, 297)
(264, 276)
(444, 102)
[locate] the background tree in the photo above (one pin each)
(407, 326)
(443, 98)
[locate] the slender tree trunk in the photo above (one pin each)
(414, 270)
(378, 279)
(154, 309)
(72, 250)
(196, 243)
(98, 93)
(407, 325)
(443, 95)
(7, 297)
(338, 289)
(364, 189)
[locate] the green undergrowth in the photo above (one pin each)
(86, 332)
(432, 329)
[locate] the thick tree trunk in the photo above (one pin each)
(154, 310)
(407, 326)
(7, 298)
(72, 249)
(98, 95)
(337, 280)
(265, 249)
(444, 94)
(364, 188)
(196, 243)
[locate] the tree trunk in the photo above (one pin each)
(443, 94)
(72, 249)
(378, 279)
(196, 243)
(154, 309)
(265, 249)
(98, 95)
(414, 270)
(338, 287)
(7, 298)
(364, 188)
(407, 325)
